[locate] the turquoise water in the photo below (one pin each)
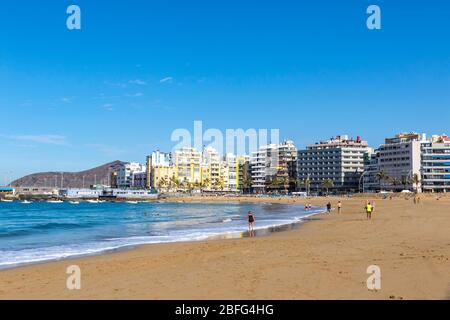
(40, 231)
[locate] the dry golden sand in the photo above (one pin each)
(324, 259)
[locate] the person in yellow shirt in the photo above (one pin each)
(369, 210)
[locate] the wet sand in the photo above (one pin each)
(325, 258)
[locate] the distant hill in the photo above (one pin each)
(97, 175)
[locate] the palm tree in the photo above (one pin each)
(307, 184)
(184, 184)
(285, 181)
(248, 182)
(405, 181)
(327, 184)
(221, 184)
(395, 182)
(295, 182)
(163, 183)
(174, 182)
(205, 183)
(197, 185)
(274, 183)
(416, 181)
(381, 176)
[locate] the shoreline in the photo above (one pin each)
(260, 231)
(326, 259)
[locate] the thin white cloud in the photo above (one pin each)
(138, 82)
(67, 99)
(27, 103)
(102, 96)
(52, 139)
(135, 95)
(108, 106)
(116, 84)
(166, 80)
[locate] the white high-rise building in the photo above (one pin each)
(230, 160)
(273, 167)
(399, 158)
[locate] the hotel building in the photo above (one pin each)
(340, 160)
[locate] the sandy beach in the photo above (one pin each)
(324, 258)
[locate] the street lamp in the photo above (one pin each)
(361, 178)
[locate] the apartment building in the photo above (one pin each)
(139, 180)
(243, 173)
(285, 177)
(399, 159)
(435, 162)
(230, 162)
(273, 167)
(163, 177)
(187, 164)
(370, 182)
(236, 172)
(224, 182)
(339, 159)
(158, 168)
(211, 160)
(126, 174)
(261, 167)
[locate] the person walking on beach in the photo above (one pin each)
(339, 206)
(329, 207)
(369, 210)
(251, 221)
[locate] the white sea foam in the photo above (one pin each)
(229, 227)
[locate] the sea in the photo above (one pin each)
(40, 231)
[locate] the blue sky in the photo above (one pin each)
(137, 70)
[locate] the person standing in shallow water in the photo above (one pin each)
(329, 207)
(251, 221)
